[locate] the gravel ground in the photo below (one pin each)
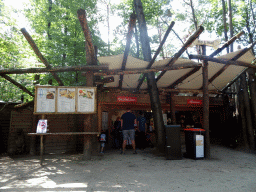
(227, 170)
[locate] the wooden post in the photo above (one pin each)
(252, 85)
(91, 59)
(42, 145)
(152, 86)
(242, 113)
(41, 149)
(172, 108)
(247, 111)
(206, 105)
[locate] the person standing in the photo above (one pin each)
(116, 134)
(142, 125)
(128, 120)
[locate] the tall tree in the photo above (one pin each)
(65, 43)
(14, 53)
(225, 22)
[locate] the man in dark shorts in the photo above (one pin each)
(127, 123)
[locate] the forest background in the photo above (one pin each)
(55, 28)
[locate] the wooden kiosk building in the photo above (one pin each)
(123, 84)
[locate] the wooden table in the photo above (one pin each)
(60, 133)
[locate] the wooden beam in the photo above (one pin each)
(137, 71)
(39, 54)
(212, 55)
(228, 64)
(227, 44)
(131, 26)
(181, 51)
(183, 77)
(162, 89)
(17, 84)
(55, 69)
(156, 53)
(223, 61)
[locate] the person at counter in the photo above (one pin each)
(128, 120)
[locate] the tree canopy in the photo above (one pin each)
(56, 30)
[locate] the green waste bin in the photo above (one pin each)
(173, 143)
(194, 140)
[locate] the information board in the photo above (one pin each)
(65, 100)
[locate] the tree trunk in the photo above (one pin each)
(242, 114)
(152, 87)
(247, 111)
(225, 22)
(193, 14)
(230, 23)
(206, 106)
(252, 87)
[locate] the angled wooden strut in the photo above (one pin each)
(17, 84)
(219, 50)
(182, 78)
(127, 47)
(212, 55)
(156, 54)
(91, 57)
(181, 51)
(39, 54)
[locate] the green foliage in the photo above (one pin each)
(63, 42)
(14, 53)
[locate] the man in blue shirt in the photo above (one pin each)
(127, 123)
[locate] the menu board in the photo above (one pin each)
(46, 98)
(61, 99)
(86, 100)
(66, 100)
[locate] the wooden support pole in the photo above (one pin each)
(39, 54)
(252, 85)
(91, 59)
(206, 105)
(172, 108)
(242, 113)
(41, 149)
(247, 104)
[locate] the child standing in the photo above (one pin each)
(103, 139)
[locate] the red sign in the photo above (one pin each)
(194, 102)
(126, 99)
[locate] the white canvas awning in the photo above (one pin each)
(192, 82)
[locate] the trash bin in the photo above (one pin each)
(173, 143)
(194, 140)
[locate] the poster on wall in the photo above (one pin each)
(61, 99)
(86, 100)
(45, 100)
(66, 100)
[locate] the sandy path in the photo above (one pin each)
(227, 170)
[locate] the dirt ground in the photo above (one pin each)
(227, 170)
